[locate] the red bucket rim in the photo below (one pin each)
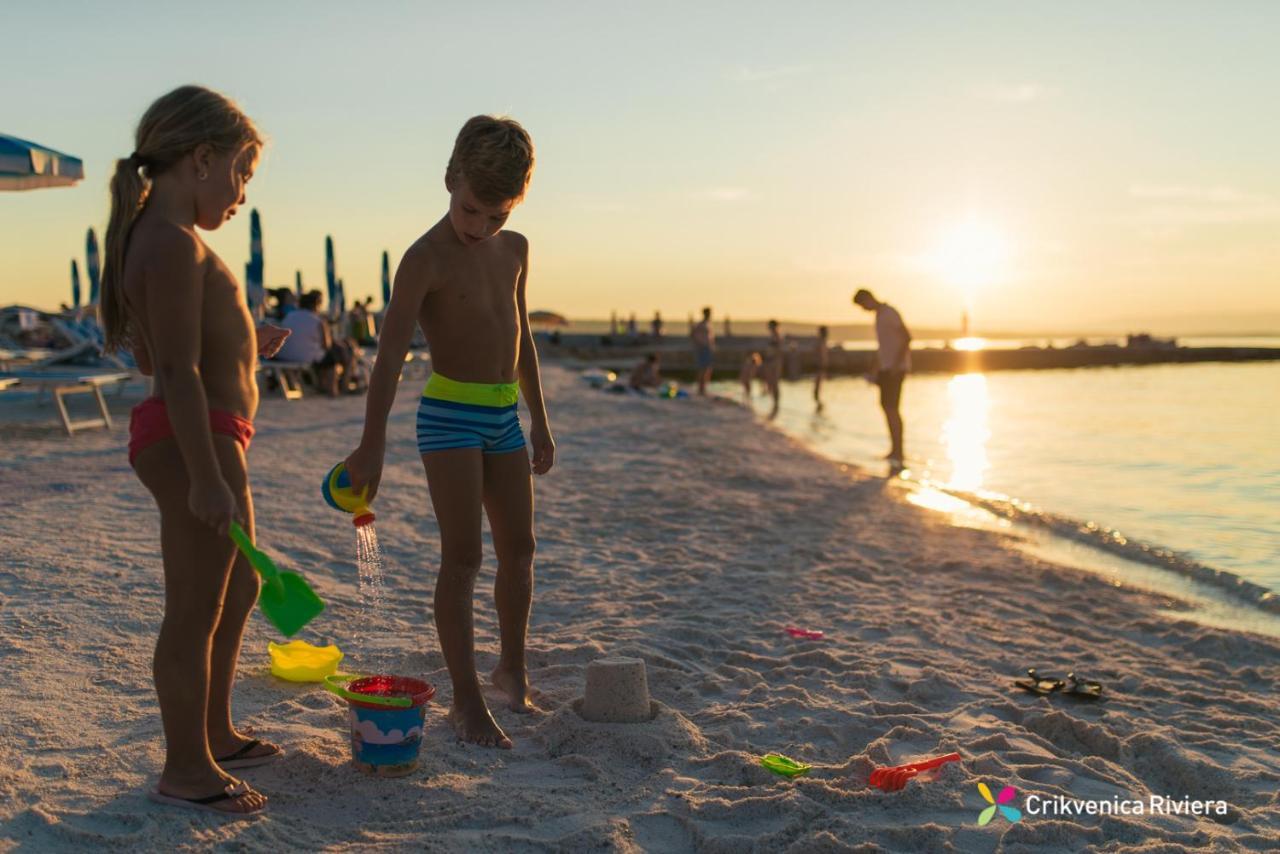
(418, 691)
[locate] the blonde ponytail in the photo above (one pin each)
(128, 195)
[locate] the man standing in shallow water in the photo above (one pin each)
(889, 367)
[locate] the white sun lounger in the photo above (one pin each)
(63, 383)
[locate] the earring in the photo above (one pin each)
(203, 176)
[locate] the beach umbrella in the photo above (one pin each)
(254, 287)
(92, 265)
(548, 318)
(297, 283)
(330, 280)
(386, 279)
(27, 166)
(75, 284)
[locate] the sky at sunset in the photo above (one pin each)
(1052, 166)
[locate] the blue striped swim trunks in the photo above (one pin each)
(453, 414)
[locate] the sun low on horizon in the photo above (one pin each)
(947, 167)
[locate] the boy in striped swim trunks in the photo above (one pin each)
(464, 282)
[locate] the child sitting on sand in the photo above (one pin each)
(464, 282)
(646, 374)
(170, 298)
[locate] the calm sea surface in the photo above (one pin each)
(1185, 457)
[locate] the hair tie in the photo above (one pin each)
(138, 158)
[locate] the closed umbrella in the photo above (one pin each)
(330, 274)
(92, 265)
(387, 279)
(297, 283)
(254, 287)
(27, 166)
(75, 284)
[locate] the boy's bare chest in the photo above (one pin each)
(484, 284)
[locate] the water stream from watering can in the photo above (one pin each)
(369, 656)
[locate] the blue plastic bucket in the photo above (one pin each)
(386, 740)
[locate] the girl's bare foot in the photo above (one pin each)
(474, 724)
(240, 798)
(243, 749)
(515, 684)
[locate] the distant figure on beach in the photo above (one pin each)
(772, 366)
(286, 301)
(632, 329)
(704, 350)
(358, 321)
(822, 356)
(647, 374)
(656, 326)
(747, 375)
(170, 299)
(889, 367)
(312, 343)
(464, 281)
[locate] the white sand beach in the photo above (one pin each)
(682, 533)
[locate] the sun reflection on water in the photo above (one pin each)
(965, 432)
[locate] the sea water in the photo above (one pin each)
(1180, 457)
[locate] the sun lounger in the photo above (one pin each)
(86, 336)
(288, 376)
(60, 384)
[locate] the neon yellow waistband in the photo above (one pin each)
(440, 387)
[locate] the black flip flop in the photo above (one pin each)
(230, 793)
(1037, 684)
(241, 759)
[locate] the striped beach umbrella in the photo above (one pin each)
(92, 265)
(27, 166)
(75, 284)
(297, 283)
(254, 287)
(330, 274)
(386, 279)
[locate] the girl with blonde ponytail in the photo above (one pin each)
(166, 295)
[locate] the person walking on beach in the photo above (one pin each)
(822, 356)
(464, 282)
(889, 366)
(772, 366)
(656, 326)
(169, 298)
(747, 374)
(704, 350)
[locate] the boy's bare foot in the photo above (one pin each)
(476, 725)
(515, 684)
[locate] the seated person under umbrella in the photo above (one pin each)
(312, 343)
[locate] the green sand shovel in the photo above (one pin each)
(286, 599)
(785, 765)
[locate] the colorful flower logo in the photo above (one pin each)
(1000, 801)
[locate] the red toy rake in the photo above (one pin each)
(893, 778)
